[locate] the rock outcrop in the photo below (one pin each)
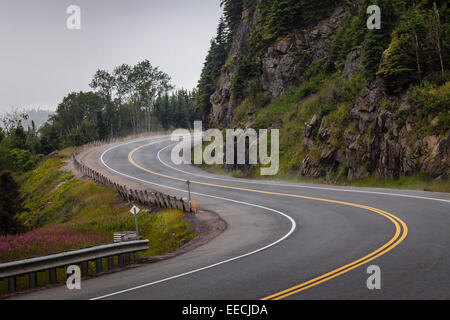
(380, 143)
(286, 61)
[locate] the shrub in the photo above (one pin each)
(10, 203)
(21, 160)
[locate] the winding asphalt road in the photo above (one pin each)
(283, 241)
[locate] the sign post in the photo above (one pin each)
(135, 210)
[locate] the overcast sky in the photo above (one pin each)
(41, 61)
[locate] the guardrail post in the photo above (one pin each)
(98, 265)
(84, 269)
(52, 276)
(110, 263)
(130, 258)
(12, 284)
(121, 261)
(32, 279)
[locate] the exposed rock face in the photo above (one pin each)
(283, 64)
(380, 143)
(364, 109)
(285, 61)
(222, 104)
(352, 63)
(393, 155)
(389, 153)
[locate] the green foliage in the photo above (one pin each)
(418, 181)
(56, 200)
(129, 94)
(232, 10)
(63, 213)
(350, 35)
(124, 103)
(17, 146)
(10, 204)
(279, 107)
(419, 42)
(354, 33)
(78, 119)
(432, 101)
(415, 38)
(376, 41)
(21, 160)
(372, 51)
(17, 138)
(256, 94)
(215, 60)
(281, 17)
(176, 111)
(321, 96)
(246, 69)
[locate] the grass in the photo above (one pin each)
(415, 182)
(419, 182)
(65, 213)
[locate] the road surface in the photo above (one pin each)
(284, 240)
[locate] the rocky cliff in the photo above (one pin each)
(377, 131)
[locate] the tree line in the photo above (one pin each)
(128, 100)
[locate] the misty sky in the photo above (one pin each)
(41, 61)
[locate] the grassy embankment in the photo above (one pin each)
(64, 213)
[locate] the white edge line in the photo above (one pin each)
(294, 225)
(293, 228)
(296, 185)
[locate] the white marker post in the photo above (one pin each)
(135, 210)
(189, 189)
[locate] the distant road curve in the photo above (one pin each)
(284, 241)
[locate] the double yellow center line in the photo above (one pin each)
(401, 230)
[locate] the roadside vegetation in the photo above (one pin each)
(44, 209)
(59, 212)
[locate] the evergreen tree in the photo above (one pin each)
(232, 12)
(377, 40)
(215, 60)
(10, 204)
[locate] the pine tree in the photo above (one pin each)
(376, 41)
(10, 204)
(232, 11)
(215, 59)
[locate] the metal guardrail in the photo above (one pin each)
(126, 251)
